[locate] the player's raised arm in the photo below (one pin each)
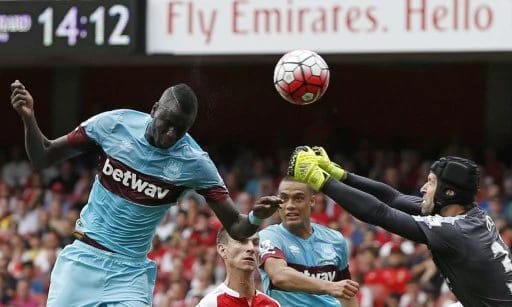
(304, 167)
(41, 151)
(382, 191)
(370, 210)
(241, 226)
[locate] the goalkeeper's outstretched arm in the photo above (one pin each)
(371, 210)
(385, 193)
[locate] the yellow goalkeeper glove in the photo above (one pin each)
(327, 165)
(304, 168)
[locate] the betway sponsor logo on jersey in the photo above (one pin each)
(130, 180)
(135, 186)
(321, 275)
(324, 272)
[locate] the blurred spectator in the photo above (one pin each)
(492, 166)
(414, 296)
(244, 202)
(80, 193)
(202, 234)
(45, 259)
(175, 296)
(392, 177)
(8, 282)
(201, 284)
(33, 193)
(16, 171)
(258, 178)
(23, 296)
(66, 176)
(319, 210)
(391, 279)
(26, 218)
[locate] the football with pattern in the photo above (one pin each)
(301, 77)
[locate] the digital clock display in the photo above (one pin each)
(81, 27)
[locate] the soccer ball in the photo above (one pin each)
(301, 77)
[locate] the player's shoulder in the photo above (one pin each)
(130, 116)
(476, 219)
(191, 145)
(210, 299)
(117, 116)
(271, 236)
(189, 149)
(271, 230)
(326, 232)
(121, 112)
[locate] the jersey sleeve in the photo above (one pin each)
(407, 203)
(370, 209)
(79, 139)
(271, 245)
(94, 130)
(441, 232)
(209, 183)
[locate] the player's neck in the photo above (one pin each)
(303, 232)
(452, 210)
(242, 282)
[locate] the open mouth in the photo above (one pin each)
(249, 259)
(292, 216)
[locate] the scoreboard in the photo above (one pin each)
(68, 28)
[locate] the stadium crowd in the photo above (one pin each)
(38, 211)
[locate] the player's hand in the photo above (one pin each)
(21, 100)
(327, 165)
(293, 158)
(266, 206)
(303, 166)
(344, 289)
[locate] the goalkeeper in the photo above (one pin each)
(463, 239)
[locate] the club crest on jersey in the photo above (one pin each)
(267, 247)
(327, 251)
(294, 249)
(173, 168)
(130, 180)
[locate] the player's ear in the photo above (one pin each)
(153, 109)
(221, 249)
(312, 200)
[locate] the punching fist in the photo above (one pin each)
(21, 100)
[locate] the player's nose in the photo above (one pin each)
(287, 203)
(171, 133)
(423, 188)
(252, 249)
(169, 137)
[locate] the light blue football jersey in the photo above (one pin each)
(323, 255)
(137, 182)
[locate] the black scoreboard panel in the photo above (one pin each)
(79, 27)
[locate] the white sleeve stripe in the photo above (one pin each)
(437, 220)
